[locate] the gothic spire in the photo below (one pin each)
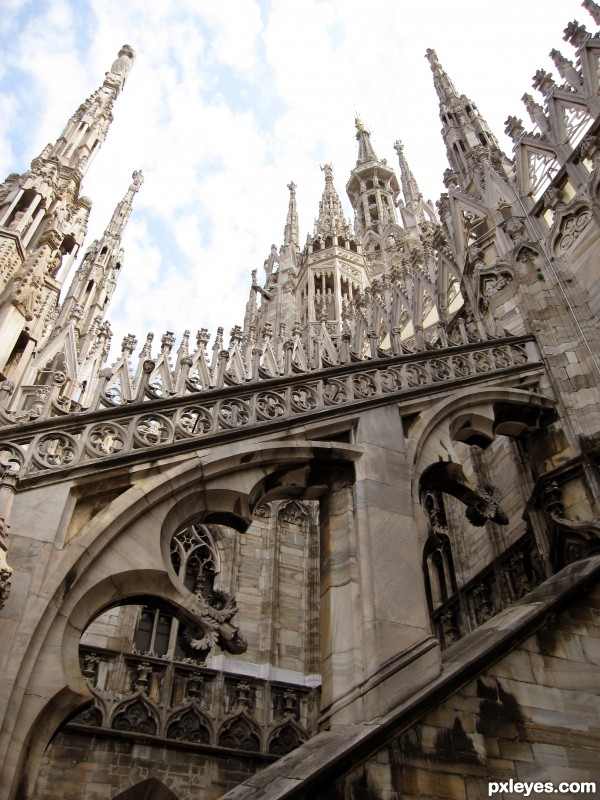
(443, 85)
(330, 221)
(96, 278)
(410, 189)
(291, 233)
(365, 147)
(470, 143)
(43, 219)
(88, 127)
(122, 212)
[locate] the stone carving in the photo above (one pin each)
(449, 627)
(571, 229)
(142, 681)
(124, 61)
(484, 505)
(136, 716)
(152, 430)
(576, 34)
(5, 569)
(256, 408)
(190, 725)
(211, 626)
(56, 450)
(240, 733)
(293, 513)
(482, 605)
(571, 539)
(91, 716)
(90, 668)
(107, 439)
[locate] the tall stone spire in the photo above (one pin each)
(414, 210)
(291, 233)
(410, 189)
(88, 127)
(331, 221)
(79, 343)
(43, 221)
(443, 85)
(470, 143)
(95, 280)
(366, 152)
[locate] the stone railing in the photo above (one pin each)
(509, 578)
(110, 435)
(193, 705)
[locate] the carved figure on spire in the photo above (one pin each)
(122, 65)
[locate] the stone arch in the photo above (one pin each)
(438, 569)
(481, 414)
(99, 569)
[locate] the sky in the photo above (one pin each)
(229, 101)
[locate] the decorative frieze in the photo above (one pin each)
(113, 434)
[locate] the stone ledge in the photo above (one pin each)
(329, 754)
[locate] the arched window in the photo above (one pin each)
(195, 559)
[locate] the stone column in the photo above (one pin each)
(400, 653)
(341, 628)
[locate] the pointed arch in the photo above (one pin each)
(189, 724)
(137, 714)
(285, 738)
(240, 732)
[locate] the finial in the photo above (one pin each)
(292, 187)
(576, 34)
(544, 81)
(594, 10)
(514, 128)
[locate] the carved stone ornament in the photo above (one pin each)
(570, 539)
(240, 733)
(211, 626)
(189, 725)
(293, 513)
(571, 229)
(137, 716)
(515, 228)
(484, 505)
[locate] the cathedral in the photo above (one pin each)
(349, 550)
